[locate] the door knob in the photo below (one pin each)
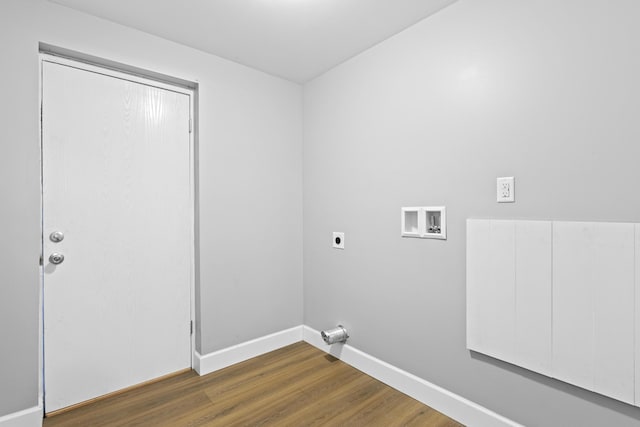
(56, 236)
(56, 258)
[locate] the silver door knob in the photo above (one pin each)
(56, 236)
(56, 258)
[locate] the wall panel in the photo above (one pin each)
(558, 298)
(509, 291)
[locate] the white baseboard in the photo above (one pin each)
(31, 417)
(205, 364)
(450, 404)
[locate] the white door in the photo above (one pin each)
(116, 184)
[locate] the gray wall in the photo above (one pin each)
(546, 91)
(250, 185)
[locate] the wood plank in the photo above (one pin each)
(298, 385)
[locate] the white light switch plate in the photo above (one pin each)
(505, 190)
(338, 240)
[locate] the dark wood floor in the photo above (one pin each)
(298, 385)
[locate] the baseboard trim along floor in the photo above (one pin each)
(31, 417)
(205, 364)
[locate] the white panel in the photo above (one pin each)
(614, 296)
(501, 289)
(593, 303)
(636, 319)
(533, 295)
(477, 273)
(572, 304)
(491, 288)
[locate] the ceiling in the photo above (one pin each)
(294, 39)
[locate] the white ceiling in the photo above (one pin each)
(294, 39)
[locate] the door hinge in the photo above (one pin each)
(190, 126)
(191, 327)
(40, 261)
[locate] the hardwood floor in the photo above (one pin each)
(298, 385)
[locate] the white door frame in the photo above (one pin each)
(111, 72)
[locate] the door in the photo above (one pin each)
(116, 205)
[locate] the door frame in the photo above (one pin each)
(146, 78)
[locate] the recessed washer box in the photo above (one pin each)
(427, 222)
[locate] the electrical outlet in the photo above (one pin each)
(505, 190)
(338, 240)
